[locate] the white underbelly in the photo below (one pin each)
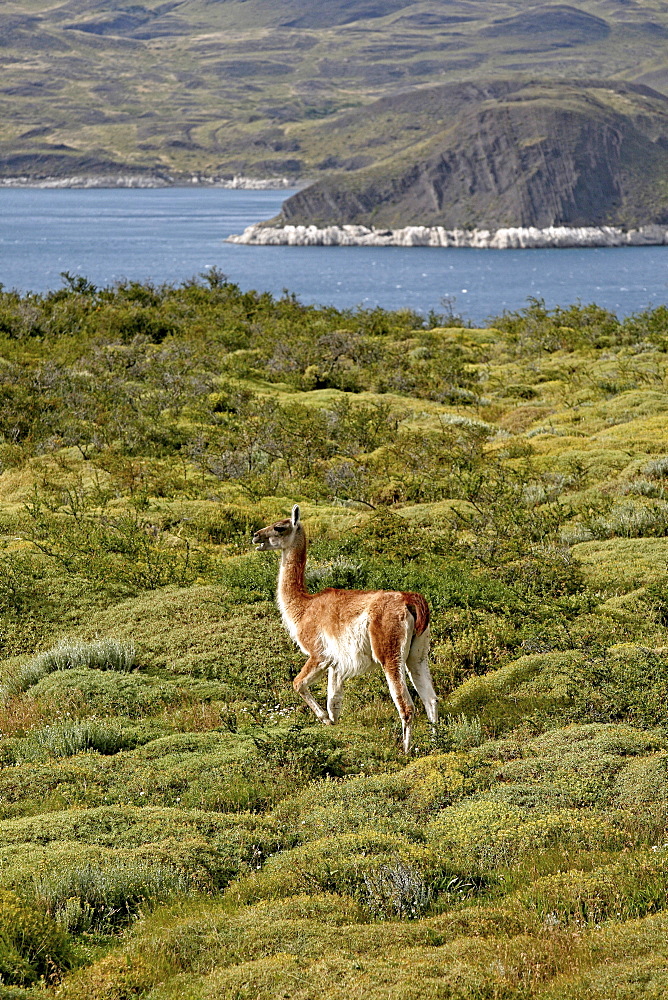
(348, 653)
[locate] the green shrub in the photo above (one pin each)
(252, 577)
(358, 804)
(488, 833)
(211, 771)
(642, 783)
(457, 733)
(627, 683)
(573, 767)
(330, 864)
(32, 945)
(107, 693)
(224, 524)
(91, 896)
(657, 596)
(118, 548)
(102, 654)
(396, 891)
(216, 846)
(502, 698)
(208, 632)
(69, 738)
(633, 887)
(535, 328)
(306, 753)
(22, 587)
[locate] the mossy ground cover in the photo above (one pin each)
(173, 823)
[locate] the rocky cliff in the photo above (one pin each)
(540, 155)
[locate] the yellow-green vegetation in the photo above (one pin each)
(173, 822)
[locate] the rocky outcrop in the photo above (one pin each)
(541, 155)
(520, 238)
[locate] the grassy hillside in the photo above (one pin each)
(173, 822)
(94, 87)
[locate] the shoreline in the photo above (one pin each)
(511, 238)
(145, 181)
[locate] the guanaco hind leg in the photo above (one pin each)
(401, 697)
(391, 636)
(419, 673)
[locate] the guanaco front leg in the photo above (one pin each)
(310, 672)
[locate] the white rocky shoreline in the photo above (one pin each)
(512, 238)
(130, 180)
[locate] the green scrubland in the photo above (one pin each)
(173, 821)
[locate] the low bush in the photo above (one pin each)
(33, 945)
(98, 693)
(210, 632)
(219, 774)
(133, 826)
(457, 733)
(491, 834)
(657, 468)
(642, 785)
(628, 683)
(101, 654)
(645, 487)
(305, 753)
(389, 804)
(574, 767)
(330, 864)
(89, 896)
(648, 520)
(70, 738)
(396, 891)
(622, 890)
(501, 699)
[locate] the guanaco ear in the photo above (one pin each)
(295, 515)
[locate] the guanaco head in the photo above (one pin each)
(281, 535)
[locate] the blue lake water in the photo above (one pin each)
(171, 235)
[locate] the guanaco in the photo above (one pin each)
(344, 632)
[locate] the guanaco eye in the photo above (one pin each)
(280, 528)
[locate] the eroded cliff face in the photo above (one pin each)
(557, 156)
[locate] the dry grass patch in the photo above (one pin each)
(19, 716)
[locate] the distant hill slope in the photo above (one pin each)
(246, 86)
(511, 154)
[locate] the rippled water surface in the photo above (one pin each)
(170, 235)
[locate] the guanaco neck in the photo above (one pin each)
(292, 594)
